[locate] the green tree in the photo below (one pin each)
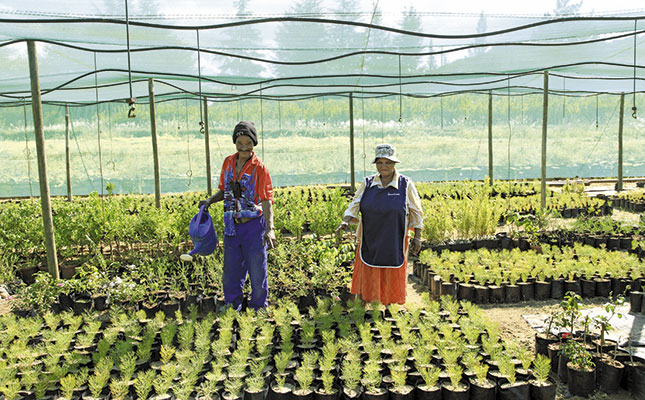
(250, 36)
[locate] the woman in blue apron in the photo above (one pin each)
(389, 206)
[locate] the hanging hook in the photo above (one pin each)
(202, 129)
(634, 112)
(131, 102)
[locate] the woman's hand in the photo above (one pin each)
(415, 245)
(343, 226)
(204, 203)
(269, 239)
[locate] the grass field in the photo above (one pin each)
(314, 153)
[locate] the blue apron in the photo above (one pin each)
(383, 218)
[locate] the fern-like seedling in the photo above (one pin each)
(430, 375)
(541, 368)
(143, 383)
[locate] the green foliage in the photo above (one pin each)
(541, 368)
(143, 383)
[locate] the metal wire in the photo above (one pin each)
(98, 125)
(199, 74)
(634, 88)
(27, 151)
(127, 33)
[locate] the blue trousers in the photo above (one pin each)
(244, 253)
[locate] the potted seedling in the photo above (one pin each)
(280, 389)
(602, 322)
(428, 389)
(581, 371)
(455, 389)
(480, 386)
(233, 389)
(305, 376)
(351, 377)
(541, 387)
(256, 386)
(513, 389)
(143, 383)
(372, 382)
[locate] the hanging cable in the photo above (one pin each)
(510, 131)
(279, 118)
(80, 154)
(261, 122)
(634, 89)
(400, 93)
(98, 125)
(112, 163)
(441, 110)
(132, 99)
(189, 172)
(27, 151)
(323, 114)
(564, 96)
(593, 150)
(363, 127)
(382, 129)
(199, 77)
(596, 110)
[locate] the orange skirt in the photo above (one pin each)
(386, 285)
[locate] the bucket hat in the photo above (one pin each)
(385, 150)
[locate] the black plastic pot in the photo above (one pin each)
(65, 301)
(527, 290)
(542, 290)
(554, 356)
(542, 343)
(436, 286)
(407, 393)
(447, 288)
(460, 393)
(169, 308)
(634, 378)
(482, 391)
(580, 382)
(563, 373)
(609, 373)
(482, 294)
(320, 395)
(380, 394)
(466, 291)
(618, 286)
(557, 288)
(588, 288)
(101, 302)
(422, 392)
(261, 395)
(302, 394)
(81, 305)
(276, 393)
(496, 294)
(542, 391)
(572, 286)
(635, 302)
(512, 294)
(349, 394)
(516, 391)
(603, 287)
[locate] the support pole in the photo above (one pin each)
(351, 142)
(45, 202)
(619, 185)
(545, 118)
(155, 147)
(207, 143)
(68, 164)
(490, 137)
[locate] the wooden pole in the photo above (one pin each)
(68, 164)
(490, 137)
(545, 118)
(351, 141)
(45, 201)
(207, 143)
(619, 185)
(155, 147)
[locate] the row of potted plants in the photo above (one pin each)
(586, 359)
(503, 276)
(439, 348)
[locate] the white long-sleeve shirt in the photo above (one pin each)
(414, 212)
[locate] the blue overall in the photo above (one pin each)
(244, 251)
(383, 218)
